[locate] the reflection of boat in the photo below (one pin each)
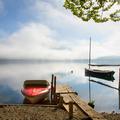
(36, 90)
(103, 74)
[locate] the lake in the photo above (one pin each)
(12, 76)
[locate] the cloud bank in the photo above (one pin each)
(57, 34)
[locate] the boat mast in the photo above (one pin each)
(90, 53)
(89, 68)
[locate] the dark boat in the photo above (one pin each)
(102, 74)
(36, 90)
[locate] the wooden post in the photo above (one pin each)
(70, 110)
(89, 90)
(119, 88)
(58, 97)
(119, 79)
(52, 88)
(60, 102)
(55, 96)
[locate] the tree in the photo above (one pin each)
(98, 10)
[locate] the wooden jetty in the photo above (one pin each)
(64, 96)
(75, 105)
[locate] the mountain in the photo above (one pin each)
(107, 60)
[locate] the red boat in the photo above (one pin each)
(36, 90)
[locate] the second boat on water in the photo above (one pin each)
(103, 74)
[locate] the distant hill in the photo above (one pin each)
(100, 60)
(14, 61)
(107, 60)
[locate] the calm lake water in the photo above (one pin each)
(12, 77)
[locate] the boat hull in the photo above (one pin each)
(102, 74)
(36, 90)
(37, 98)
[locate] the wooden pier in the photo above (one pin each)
(75, 105)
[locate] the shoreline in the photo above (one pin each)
(31, 112)
(42, 112)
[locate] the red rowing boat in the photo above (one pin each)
(36, 90)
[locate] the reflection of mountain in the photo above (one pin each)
(9, 96)
(27, 61)
(108, 60)
(101, 60)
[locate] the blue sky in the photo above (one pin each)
(45, 29)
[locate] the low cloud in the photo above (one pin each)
(40, 41)
(34, 40)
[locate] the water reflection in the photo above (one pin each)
(12, 77)
(9, 95)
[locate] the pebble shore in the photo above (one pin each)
(36, 112)
(32, 113)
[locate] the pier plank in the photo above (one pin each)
(86, 108)
(80, 106)
(66, 98)
(60, 89)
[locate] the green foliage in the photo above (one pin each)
(94, 9)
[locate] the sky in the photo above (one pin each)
(44, 29)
